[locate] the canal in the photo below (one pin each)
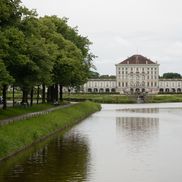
(121, 143)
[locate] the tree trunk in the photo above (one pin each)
(13, 95)
(25, 97)
(38, 93)
(4, 96)
(52, 93)
(43, 93)
(31, 96)
(61, 93)
(56, 93)
(49, 94)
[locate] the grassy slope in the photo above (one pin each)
(15, 136)
(165, 98)
(101, 98)
(110, 98)
(16, 111)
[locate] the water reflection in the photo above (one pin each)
(141, 110)
(64, 159)
(137, 130)
(114, 145)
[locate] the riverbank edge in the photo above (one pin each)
(85, 110)
(129, 99)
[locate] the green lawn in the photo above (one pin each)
(165, 98)
(100, 98)
(116, 98)
(17, 135)
(16, 111)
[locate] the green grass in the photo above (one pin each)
(18, 135)
(165, 98)
(16, 111)
(116, 98)
(101, 98)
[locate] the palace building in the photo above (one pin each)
(136, 74)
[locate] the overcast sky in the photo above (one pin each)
(121, 28)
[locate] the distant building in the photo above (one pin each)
(100, 85)
(136, 74)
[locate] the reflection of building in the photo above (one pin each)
(135, 74)
(142, 110)
(137, 123)
(137, 127)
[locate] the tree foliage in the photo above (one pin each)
(40, 51)
(171, 75)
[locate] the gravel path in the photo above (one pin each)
(30, 115)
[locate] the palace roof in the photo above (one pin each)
(137, 59)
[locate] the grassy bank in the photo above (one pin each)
(16, 111)
(165, 98)
(123, 99)
(101, 98)
(18, 135)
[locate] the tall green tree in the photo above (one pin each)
(73, 61)
(38, 51)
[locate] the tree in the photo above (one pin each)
(72, 60)
(10, 12)
(5, 80)
(38, 51)
(93, 74)
(171, 75)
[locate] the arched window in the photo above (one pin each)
(161, 90)
(113, 90)
(95, 90)
(89, 90)
(107, 90)
(101, 90)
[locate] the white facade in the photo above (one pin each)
(137, 74)
(137, 78)
(100, 85)
(170, 85)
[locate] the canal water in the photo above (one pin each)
(121, 143)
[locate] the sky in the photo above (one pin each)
(122, 28)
